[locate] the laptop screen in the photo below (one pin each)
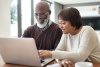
(21, 51)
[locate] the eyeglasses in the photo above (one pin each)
(40, 14)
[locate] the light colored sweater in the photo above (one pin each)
(79, 47)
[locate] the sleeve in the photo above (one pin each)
(58, 37)
(87, 44)
(62, 46)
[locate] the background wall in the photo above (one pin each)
(57, 8)
(4, 18)
(82, 4)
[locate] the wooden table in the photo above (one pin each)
(2, 64)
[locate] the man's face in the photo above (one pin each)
(41, 15)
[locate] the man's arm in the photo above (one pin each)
(58, 37)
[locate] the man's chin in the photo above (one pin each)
(41, 22)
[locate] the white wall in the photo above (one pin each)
(4, 18)
(57, 8)
(66, 2)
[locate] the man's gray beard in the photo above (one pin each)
(42, 25)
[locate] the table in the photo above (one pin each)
(2, 64)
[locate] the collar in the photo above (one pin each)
(46, 27)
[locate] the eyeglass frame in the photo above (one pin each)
(41, 14)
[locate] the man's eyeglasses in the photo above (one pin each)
(40, 14)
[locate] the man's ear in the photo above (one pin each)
(49, 12)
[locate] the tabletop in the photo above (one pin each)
(2, 64)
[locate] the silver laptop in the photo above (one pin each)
(21, 51)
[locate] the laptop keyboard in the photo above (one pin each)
(42, 61)
(46, 61)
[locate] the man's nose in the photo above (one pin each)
(39, 17)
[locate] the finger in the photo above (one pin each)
(73, 65)
(61, 65)
(42, 58)
(69, 63)
(64, 64)
(40, 51)
(41, 55)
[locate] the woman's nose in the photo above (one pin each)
(60, 25)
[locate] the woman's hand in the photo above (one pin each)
(45, 54)
(66, 63)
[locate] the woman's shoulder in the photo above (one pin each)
(89, 28)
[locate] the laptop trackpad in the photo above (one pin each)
(46, 61)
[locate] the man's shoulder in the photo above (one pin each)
(32, 26)
(55, 24)
(56, 27)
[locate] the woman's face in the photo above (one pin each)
(65, 26)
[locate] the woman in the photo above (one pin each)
(78, 43)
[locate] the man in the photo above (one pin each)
(46, 33)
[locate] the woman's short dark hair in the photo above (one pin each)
(72, 15)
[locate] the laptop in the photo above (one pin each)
(21, 51)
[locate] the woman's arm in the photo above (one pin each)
(87, 44)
